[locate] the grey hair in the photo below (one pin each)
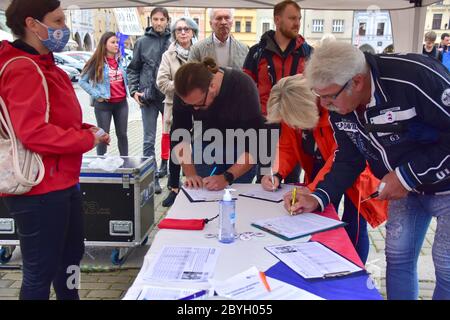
(334, 62)
(190, 23)
(212, 10)
(292, 101)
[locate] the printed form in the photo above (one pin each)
(185, 264)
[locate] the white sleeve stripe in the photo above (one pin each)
(325, 194)
(418, 63)
(414, 174)
(413, 85)
(402, 181)
(319, 201)
(434, 168)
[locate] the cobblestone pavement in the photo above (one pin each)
(106, 282)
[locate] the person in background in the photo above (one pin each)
(429, 48)
(444, 44)
(308, 138)
(221, 45)
(49, 217)
(219, 99)
(279, 54)
(142, 72)
(105, 80)
(183, 30)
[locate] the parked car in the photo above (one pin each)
(82, 56)
(72, 73)
(65, 60)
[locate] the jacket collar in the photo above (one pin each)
(380, 92)
(268, 43)
(149, 31)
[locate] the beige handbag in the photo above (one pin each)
(20, 169)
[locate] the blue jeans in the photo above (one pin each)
(50, 229)
(406, 227)
(104, 111)
(149, 121)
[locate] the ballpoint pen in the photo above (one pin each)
(195, 295)
(273, 182)
(263, 277)
(373, 195)
(294, 194)
(376, 193)
(213, 171)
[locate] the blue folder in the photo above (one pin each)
(357, 286)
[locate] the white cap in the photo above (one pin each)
(227, 195)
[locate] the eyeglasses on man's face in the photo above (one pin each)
(198, 106)
(331, 96)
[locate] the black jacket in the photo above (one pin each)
(406, 129)
(147, 55)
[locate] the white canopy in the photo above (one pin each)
(407, 16)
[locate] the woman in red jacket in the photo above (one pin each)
(48, 217)
(307, 138)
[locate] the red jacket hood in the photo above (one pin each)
(7, 51)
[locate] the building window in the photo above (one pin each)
(380, 29)
(197, 21)
(317, 25)
(362, 28)
(265, 27)
(437, 21)
(338, 25)
(248, 26)
(237, 26)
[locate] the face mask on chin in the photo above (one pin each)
(57, 38)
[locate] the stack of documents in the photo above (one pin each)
(254, 285)
(293, 227)
(313, 260)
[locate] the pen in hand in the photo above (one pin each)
(273, 182)
(213, 171)
(376, 193)
(294, 195)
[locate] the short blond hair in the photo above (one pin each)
(292, 101)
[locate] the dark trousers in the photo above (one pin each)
(50, 229)
(104, 111)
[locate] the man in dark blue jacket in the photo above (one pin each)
(392, 111)
(142, 72)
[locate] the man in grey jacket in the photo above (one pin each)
(142, 72)
(221, 45)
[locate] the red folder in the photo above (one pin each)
(182, 224)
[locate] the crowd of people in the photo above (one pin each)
(353, 122)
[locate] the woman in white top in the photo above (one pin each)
(184, 30)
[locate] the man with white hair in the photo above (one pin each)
(221, 45)
(392, 111)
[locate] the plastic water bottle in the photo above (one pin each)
(227, 218)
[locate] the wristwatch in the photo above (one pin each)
(278, 176)
(229, 177)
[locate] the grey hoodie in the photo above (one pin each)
(147, 54)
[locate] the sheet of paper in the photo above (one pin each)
(313, 260)
(249, 285)
(298, 225)
(203, 194)
(150, 292)
(185, 264)
(275, 196)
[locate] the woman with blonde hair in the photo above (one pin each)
(308, 138)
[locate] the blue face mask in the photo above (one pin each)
(57, 38)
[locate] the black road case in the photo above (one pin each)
(118, 207)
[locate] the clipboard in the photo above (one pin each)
(337, 224)
(357, 270)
